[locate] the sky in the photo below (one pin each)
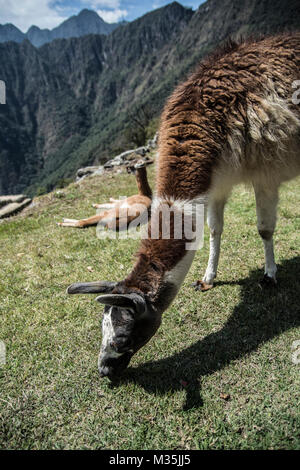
(50, 13)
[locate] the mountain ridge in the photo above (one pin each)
(86, 22)
(73, 102)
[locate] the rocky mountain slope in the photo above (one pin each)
(9, 32)
(70, 102)
(86, 22)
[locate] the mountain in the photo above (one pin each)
(9, 32)
(73, 102)
(86, 22)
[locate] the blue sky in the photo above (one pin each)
(50, 13)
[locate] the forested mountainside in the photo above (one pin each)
(75, 102)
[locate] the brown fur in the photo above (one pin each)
(119, 217)
(199, 116)
(196, 125)
(142, 182)
(155, 257)
(232, 121)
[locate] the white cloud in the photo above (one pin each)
(159, 3)
(99, 4)
(25, 13)
(112, 16)
(109, 10)
(42, 13)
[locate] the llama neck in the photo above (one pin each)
(163, 262)
(160, 278)
(142, 182)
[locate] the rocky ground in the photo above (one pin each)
(12, 205)
(120, 161)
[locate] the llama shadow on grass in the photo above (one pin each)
(262, 314)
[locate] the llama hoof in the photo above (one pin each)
(202, 286)
(267, 282)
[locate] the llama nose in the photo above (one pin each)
(104, 371)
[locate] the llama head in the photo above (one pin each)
(129, 322)
(135, 165)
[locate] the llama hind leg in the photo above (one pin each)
(215, 220)
(104, 207)
(266, 210)
(83, 222)
(68, 223)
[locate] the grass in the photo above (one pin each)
(235, 339)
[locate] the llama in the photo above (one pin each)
(118, 214)
(232, 121)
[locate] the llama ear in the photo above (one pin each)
(100, 287)
(133, 302)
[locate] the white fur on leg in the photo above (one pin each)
(68, 223)
(106, 206)
(214, 254)
(266, 208)
(215, 220)
(270, 267)
(71, 221)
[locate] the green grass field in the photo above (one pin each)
(234, 341)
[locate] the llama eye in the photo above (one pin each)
(121, 344)
(154, 266)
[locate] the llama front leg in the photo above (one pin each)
(107, 206)
(215, 221)
(83, 222)
(266, 210)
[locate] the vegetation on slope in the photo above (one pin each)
(219, 372)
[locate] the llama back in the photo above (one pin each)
(235, 118)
